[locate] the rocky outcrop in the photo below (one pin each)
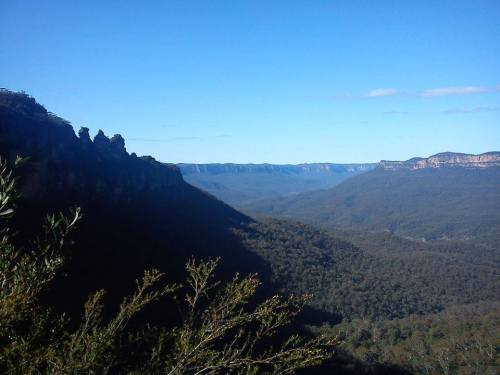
(117, 145)
(103, 165)
(84, 136)
(101, 141)
(446, 159)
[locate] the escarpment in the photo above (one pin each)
(138, 213)
(27, 129)
(446, 159)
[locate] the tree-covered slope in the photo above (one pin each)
(430, 203)
(377, 276)
(460, 340)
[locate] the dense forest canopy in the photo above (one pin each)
(372, 279)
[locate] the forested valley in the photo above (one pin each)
(327, 296)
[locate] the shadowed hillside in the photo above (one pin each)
(138, 213)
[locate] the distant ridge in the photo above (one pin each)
(445, 196)
(239, 184)
(446, 159)
(216, 168)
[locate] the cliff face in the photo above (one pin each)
(242, 184)
(103, 165)
(445, 159)
(292, 169)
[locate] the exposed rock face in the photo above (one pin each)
(446, 159)
(84, 136)
(117, 144)
(27, 129)
(101, 141)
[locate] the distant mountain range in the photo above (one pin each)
(239, 184)
(444, 196)
(242, 185)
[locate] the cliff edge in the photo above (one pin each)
(446, 159)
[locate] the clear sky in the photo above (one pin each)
(264, 81)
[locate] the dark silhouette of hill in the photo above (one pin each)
(239, 184)
(458, 202)
(138, 213)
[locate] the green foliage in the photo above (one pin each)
(222, 330)
(460, 340)
(225, 335)
(381, 276)
(25, 326)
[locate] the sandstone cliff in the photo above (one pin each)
(446, 159)
(290, 169)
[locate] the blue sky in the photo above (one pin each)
(264, 81)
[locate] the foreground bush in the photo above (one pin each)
(220, 330)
